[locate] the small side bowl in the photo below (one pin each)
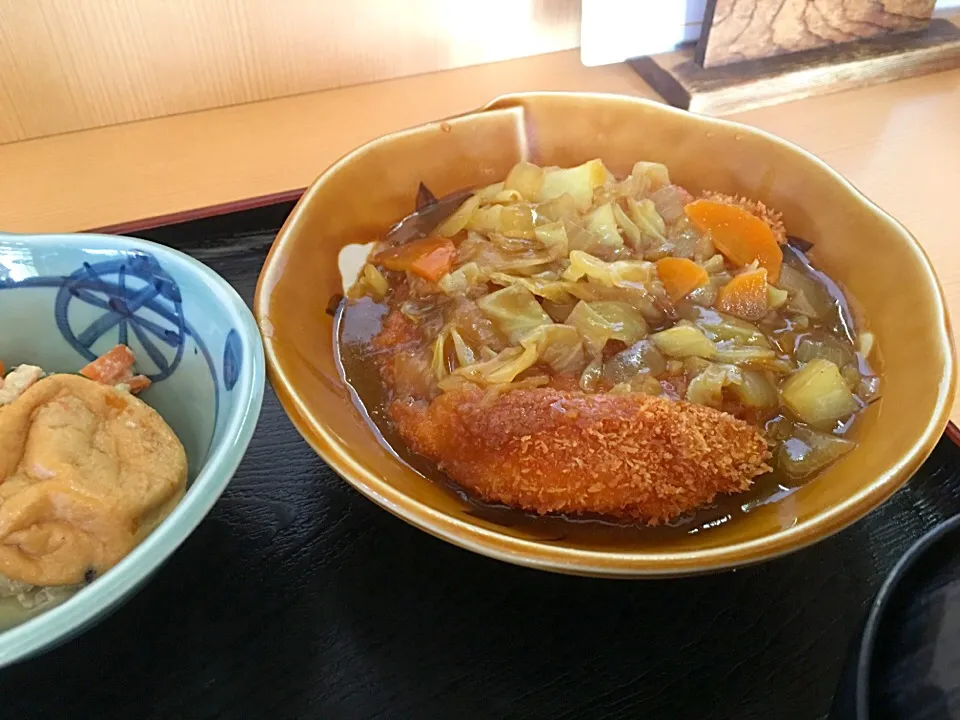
(859, 245)
(896, 583)
(64, 299)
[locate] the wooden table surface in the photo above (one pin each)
(899, 143)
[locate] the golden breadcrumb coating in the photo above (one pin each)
(546, 450)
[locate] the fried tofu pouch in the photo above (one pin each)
(86, 471)
(634, 456)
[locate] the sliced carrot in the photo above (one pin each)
(431, 257)
(436, 263)
(740, 236)
(138, 383)
(680, 276)
(746, 295)
(112, 367)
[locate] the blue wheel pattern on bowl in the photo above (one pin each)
(108, 286)
(120, 300)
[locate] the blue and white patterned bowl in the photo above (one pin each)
(64, 299)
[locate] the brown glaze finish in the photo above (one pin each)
(364, 193)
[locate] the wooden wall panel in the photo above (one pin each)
(68, 65)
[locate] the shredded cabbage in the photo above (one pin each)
(602, 223)
(630, 230)
(592, 326)
(656, 174)
(458, 220)
(514, 311)
(461, 279)
(620, 273)
(558, 346)
(542, 287)
(578, 182)
(501, 369)
(645, 216)
(719, 326)
(707, 387)
(526, 179)
(626, 323)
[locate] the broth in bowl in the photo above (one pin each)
(569, 344)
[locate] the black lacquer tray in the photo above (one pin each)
(298, 598)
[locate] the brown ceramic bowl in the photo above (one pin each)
(858, 244)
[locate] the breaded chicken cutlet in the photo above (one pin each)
(632, 456)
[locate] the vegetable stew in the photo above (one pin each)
(569, 343)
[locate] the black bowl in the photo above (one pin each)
(905, 663)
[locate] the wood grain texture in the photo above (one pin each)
(156, 167)
(726, 89)
(68, 65)
(298, 598)
(737, 30)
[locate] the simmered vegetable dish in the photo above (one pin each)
(568, 342)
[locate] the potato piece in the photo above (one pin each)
(818, 395)
(684, 341)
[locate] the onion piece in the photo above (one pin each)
(807, 451)
(641, 357)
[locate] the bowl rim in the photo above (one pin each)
(895, 578)
(592, 562)
(77, 612)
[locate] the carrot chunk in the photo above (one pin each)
(112, 367)
(680, 276)
(431, 257)
(746, 295)
(740, 236)
(138, 383)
